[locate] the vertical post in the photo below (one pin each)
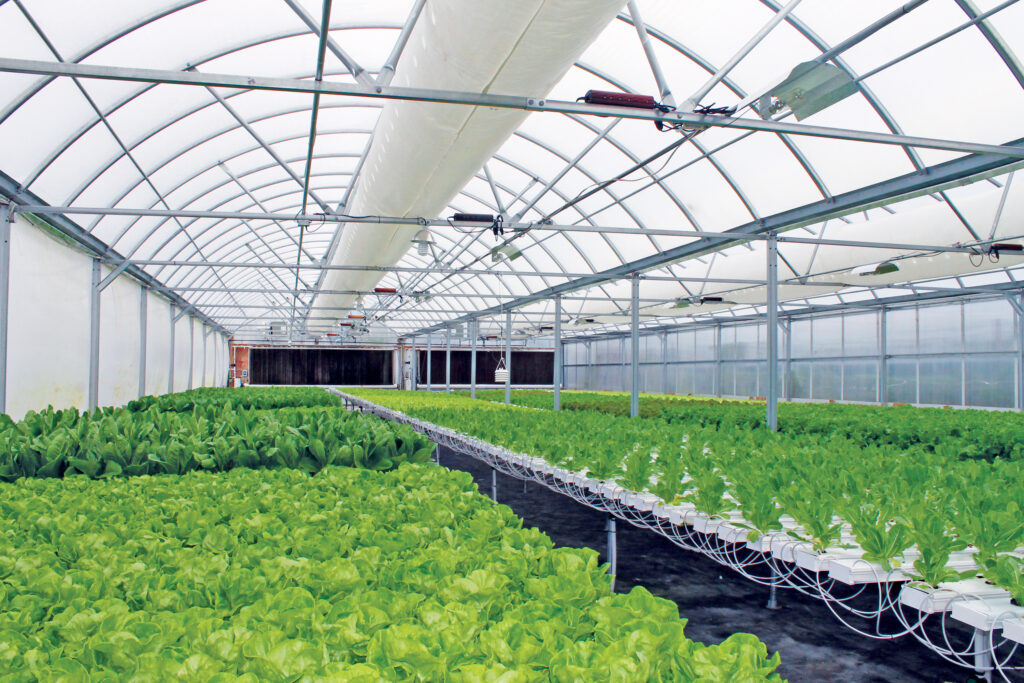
(94, 336)
(613, 550)
(1019, 310)
(6, 218)
(170, 376)
(717, 379)
(772, 278)
(448, 360)
(883, 375)
(474, 332)
(206, 335)
(143, 332)
(414, 364)
(508, 356)
(559, 370)
(788, 369)
(494, 485)
(428, 359)
(634, 351)
(191, 348)
(983, 654)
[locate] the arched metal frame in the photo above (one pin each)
(230, 239)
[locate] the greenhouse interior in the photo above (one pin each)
(511, 341)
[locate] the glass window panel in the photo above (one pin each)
(746, 379)
(726, 380)
(684, 378)
(800, 378)
(704, 379)
(860, 335)
(939, 330)
(705, 344)
(990, 381)
(746, 342)
(827, 380)
(652, 379)
(828, 337)
(860, 381)
(901, 381)
(729, 343)
(941, 381)
(988, 326)
(800, 346)
(901, 332)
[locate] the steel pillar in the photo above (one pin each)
(508, 356)
(559, 369)
(448, 360)
(6, 219)
(94, 336)
(772, 267)
(413, 365)
(428, 360)
(883, 363)
(634, 350)
(494, 485)
(191, 348)
(143, 332)
(613, 550)
(170, 376)
(474, 332)
(206, 335)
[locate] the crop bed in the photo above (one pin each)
(816, 511)
(271, 573)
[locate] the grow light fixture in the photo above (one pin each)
(809, 88)
(883, 268)
(385, 290)
(1005, 246)
(712, 300)
(495, 222)
(423, 241)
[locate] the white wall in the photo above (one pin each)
(48, 331)
(158, 344)
(48, 324)
(119, 341)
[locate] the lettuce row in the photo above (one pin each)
(351, 575)
(893, 497)
(211, 436)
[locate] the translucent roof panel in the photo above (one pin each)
(244, 155)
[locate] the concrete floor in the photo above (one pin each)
(815, 646)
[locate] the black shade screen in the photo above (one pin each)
(320, 366)
(528, 367)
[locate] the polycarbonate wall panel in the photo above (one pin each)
(967, 356)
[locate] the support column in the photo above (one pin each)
(170, 377)
(717, 379)
(788, 361)
(206, 335)
(613, 550)
(474, 332)
(94, 336)
(773, 331)
(559, 369)
(448, 361)
(191, 348)
(634, 351)
(1020, 353)
(883, 374)
(414, 364)
(428, 359)
(508, 355)
(6, 219)
(143, 333)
